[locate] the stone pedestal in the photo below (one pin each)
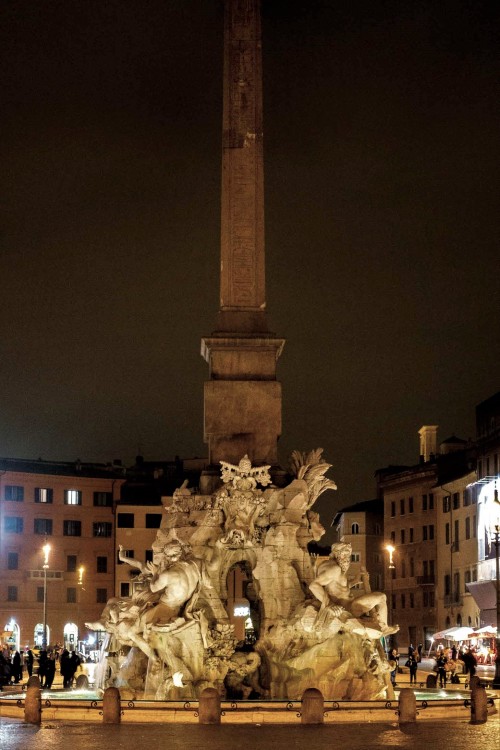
(33, 704)
(209, 711)
(111, 706)
(478, 705)
(313, 707)
(407, 706)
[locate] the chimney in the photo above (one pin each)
(428, 442)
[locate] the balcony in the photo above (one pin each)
(427, 580)
(51, 574)
(453, 600)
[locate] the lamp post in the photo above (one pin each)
(46, 551)
(390, 549)
(81, 571)
(495, 528)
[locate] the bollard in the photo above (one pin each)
(478, 705)
(209, 707)
(111, 706)
(407, 706)
(431, 681)
(34, 681)
(313, 707)
(474, 682)
(82, 682)
(33, 704)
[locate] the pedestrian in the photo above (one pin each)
(470, 662)
(42, 667)
(17, 669)
(74, 664)
(441, 662)
(454, 653)
(65, 668)
(50, 671)
(412, 664)
(420, 648)
(29, 661)
(393, 663)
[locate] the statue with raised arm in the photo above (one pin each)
(175, 580)
(334, 590)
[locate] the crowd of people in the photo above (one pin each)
(449, 663)
(14, 665)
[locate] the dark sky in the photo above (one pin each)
(381, 140)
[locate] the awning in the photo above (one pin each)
(453, 634)
(484, 593)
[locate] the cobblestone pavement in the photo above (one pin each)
(61, 736)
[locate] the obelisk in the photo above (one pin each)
(242, 398)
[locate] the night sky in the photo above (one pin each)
(381, 127)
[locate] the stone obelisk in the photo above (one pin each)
(242, 398)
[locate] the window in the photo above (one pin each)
(425, 599)
(71, 595)
(355, 528)
(424, 533)
(355, 557)
(124, 589)
(431, 501)
(103, 499)
(39, 593)
(456, 500)
(403, 601)
(148, 555)
(102, 564)
(466, 498)
(153, 520)
(393, 537)
(447, 585)
(447, 533)
(377, 529)
(446, 504)
(402, 536)
(43, 495)
(43, 526)
(101, 596)
(402, 506)
(456, 537)
(411, 535)
(403, 569)
(393, 602)
(101, 528)
(125, 521)
(431, 531)
(412, 601)
(432, 600)
(412, 567)
(72, 497)
(474, 526)
(16, 494)
(467, 527)
(72, 528)
(424, 502)
(13, 525)
(410, 505)
(393, 509)
(12, 593)
(71, 563)
(12, 561)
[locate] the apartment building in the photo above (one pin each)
(56, 548)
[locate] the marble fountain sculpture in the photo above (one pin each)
(172, 638)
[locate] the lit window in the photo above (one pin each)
(43, 495)
(72, 497)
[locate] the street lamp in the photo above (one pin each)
(390, 549)
(81, 571)
(46, 551)
(495, 533)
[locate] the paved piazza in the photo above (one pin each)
(460, 735)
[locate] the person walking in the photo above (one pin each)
(42, 667)
(17, 670)
(420, 648)
(394, 664)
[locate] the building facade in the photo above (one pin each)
(61, 515)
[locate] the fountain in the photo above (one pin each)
(173, 638)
